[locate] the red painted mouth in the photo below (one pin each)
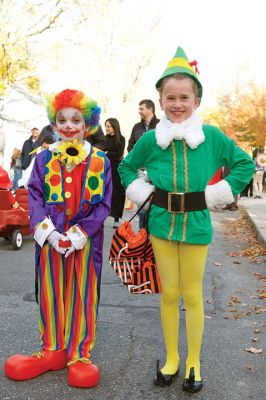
(67, 133)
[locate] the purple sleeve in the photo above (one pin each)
(36, 192)
(100, 211)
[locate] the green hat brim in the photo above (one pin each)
(181, 70)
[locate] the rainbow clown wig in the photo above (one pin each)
(75, 99)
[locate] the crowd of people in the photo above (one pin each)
(84, 176)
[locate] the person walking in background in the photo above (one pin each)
(45, 132)
(248, 190)
(114, 148)
(16, 167)
(29, 145)
(179, 221)
(44, 144)
(97, 139)
(260, 167)
(148, 121)
(233, 205)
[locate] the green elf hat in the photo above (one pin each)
(181, 64)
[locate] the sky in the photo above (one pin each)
(225, 37)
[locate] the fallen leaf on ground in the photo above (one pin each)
(208, 317)
(241, 229)
(236, 262)
(258, 330)
(232, 254)
(259, 261)
(255, 339)
(209, 301)
(259, 310)
(254, 350)
(217, 264)
(250, 367)
(234, 299)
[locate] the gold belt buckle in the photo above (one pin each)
(181, 203)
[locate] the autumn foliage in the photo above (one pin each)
(241, 115)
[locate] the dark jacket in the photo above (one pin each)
(97, 139)
(115, 154)
(138, 130)
(46, 131)
(28, 146)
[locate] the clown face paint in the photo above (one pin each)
(70, 124)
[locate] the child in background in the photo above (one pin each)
(16, 167)
(6, 184)
(44, 144)
(181, 155)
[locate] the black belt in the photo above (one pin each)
(179, 202)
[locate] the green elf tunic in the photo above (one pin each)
(183, 158)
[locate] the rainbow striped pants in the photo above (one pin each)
(68, 301)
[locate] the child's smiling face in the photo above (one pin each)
(178, 99)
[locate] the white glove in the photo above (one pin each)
(54, 238)
(70, 250)
(77, 238)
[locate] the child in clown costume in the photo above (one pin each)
(70, 194)
(180, 156)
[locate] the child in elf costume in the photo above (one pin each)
(70, 194)
(180, 156)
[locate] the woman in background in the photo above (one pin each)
(114, 148)
(16, 166)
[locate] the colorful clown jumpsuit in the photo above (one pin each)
(69, 288)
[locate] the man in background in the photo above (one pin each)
(148, 121)
(29, 145)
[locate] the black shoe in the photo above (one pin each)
(161, 379)
(190, 385)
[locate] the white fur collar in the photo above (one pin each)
(190, 130)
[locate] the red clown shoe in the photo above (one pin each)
(83, 374)
(20, 367)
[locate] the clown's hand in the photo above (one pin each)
(54, 238)
(70, 250)
(77, 237)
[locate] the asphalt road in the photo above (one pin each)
(129, 336)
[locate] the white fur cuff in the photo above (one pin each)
(219, 193)
(43, 230)
(138, 191)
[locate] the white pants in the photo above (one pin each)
(257, 183)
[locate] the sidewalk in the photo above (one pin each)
(256, 210)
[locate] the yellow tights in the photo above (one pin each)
(181, 269)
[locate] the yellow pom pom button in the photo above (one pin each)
(68, 211)
(67, 195)
(74, 229)
(68, 179)
(44, 225)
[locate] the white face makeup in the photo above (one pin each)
(70, 124)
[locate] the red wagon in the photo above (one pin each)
(14, 222)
